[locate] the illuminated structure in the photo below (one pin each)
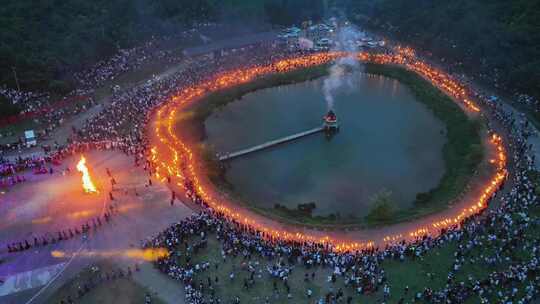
(330, 123)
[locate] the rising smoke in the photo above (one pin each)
(345, 41)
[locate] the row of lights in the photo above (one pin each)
(182, 161)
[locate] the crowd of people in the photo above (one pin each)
(46, 115)
(84, 230)
(23, 97)
(15, 170)
(131, 59)
(500, 232)
(20, 168)
(124, 61)
(49, 114)
(528, 101)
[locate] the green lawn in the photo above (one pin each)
(428, 270)
(415, 272)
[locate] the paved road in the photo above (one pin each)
(40, 212)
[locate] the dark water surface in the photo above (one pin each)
(388, 142)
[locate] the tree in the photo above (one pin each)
(383, 208)
(7, 108)
(486, 36)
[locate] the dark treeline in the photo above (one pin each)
(46, 40)
(497, 38)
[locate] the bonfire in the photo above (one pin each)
(88, 185)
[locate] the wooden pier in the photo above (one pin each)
(269, 144)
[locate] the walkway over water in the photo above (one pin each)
(270, 144)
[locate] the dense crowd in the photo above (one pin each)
(529, 101)
(14, 170)
(23, 97)
(500, 231)
(131, 59)
(124, 61)
(47, 115)
(50, 114)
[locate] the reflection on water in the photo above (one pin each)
(388, 141)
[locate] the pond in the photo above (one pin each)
(388, 143)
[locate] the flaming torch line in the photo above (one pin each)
(87, 183)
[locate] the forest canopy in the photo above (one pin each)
(499, 38)
(45, 40)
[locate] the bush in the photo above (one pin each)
(423, 197)
(383, 208)
(301, 210)
(307, 208)
(60, 87)
(7, 108)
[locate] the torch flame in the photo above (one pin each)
(87, 183)
(150, 254)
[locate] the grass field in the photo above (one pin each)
(462, 153)
(227, 289)
(406, 277)
(414, 273)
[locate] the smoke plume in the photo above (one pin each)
(345, 41)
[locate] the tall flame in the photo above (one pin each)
(87, 183)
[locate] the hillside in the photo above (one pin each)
(494, 39)
(45, 40)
